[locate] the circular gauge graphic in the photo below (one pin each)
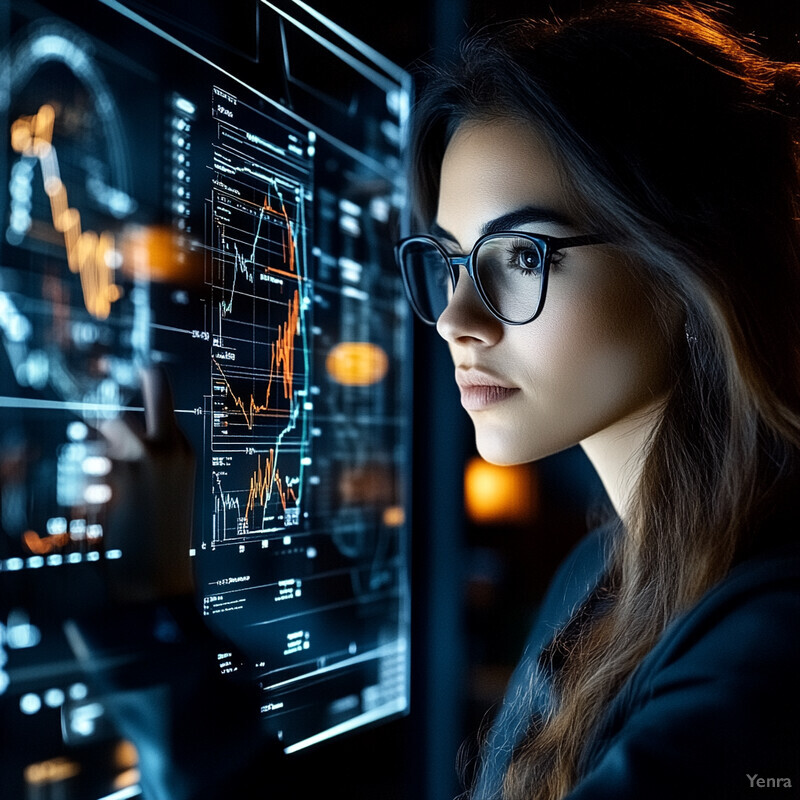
(73, 324)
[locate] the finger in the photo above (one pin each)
(159, 409)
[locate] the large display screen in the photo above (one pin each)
(218, 194)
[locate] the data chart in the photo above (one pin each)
(260, 365)
(218, 203)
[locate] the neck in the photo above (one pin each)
(617, 454)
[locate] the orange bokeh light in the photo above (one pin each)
(42, 545)
(357, 363)
(155, 253)
(394, 516)
(52, 771)
(497, 495)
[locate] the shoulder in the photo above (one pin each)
(750, 616)
(716, 700)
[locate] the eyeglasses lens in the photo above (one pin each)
(428, 276)
(510, 271)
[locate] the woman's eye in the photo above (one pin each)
(525, 259)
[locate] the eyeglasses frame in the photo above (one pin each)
(550, 245)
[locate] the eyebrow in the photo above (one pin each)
(508, 222)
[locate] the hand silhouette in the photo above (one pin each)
(152, 482)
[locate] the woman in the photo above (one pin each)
(626, 186)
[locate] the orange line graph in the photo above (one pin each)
(262, 482)
(88, 253)
(289, 230)
(281, 359)
(247, 264)
(283, 347)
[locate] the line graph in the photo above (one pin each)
(281, 362)
(268, 505)
(237, 256)
(89, 254)
(260, 359)
(264, 481)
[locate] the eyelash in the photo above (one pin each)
(555, 259)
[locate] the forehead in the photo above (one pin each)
(491, 168)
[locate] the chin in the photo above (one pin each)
(501, 449)
(508, 448)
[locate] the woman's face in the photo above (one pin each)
(594, 358)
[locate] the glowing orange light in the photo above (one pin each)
(128, 778)
(54, 770)
(357, 363)
(155, 253)
(495, 494)
(89, 254)
(125, 754)
(394, 517)
(42, 545)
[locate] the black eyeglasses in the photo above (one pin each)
(509, 271)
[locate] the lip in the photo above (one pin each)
(481, 390)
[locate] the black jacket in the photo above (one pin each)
(711, 712)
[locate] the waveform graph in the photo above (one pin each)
(260, 299)
(261, 331)
(256, 219)
(255, 247)
(83, 322)
(256, 497)
(260, 378)
(88, 254)
(255, 409)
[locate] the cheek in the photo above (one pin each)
(597, 356)
(635, 341)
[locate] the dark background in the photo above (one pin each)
(418, 30)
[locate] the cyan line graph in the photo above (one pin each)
(260, 370)
(245, 258)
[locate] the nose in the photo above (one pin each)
(466, 318)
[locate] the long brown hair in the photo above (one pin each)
(678, 141)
